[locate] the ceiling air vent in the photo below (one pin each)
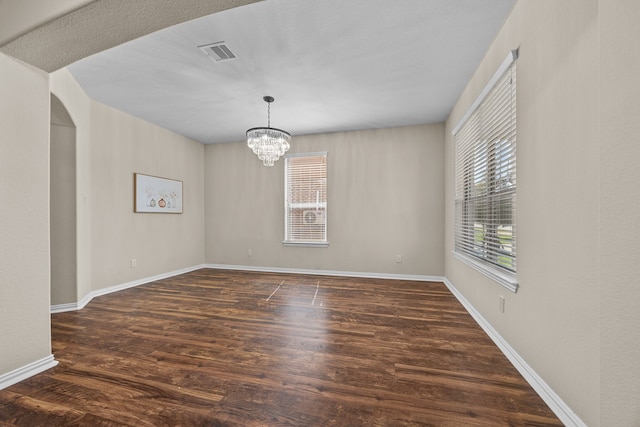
(217, 51)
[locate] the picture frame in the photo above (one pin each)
(153, 194)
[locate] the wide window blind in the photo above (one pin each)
(306, 198)
(485, 176)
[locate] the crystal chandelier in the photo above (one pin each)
(269, 144)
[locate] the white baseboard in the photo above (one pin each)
(20, 374)
(555, 403)
(59, 308)
(327, 272)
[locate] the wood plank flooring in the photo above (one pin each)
(229, 348)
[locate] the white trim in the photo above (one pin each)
(327, 272)
(59, 308)
(555, 403)
(20, 374)
(508, 281)
(317, 153)
(307, 244)
(511, 57)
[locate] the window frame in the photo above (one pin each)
(288, 240)
(491, 165)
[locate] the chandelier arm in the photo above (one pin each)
(271, 129)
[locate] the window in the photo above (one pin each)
(305, 180)
(485, 179)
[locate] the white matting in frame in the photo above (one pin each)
(155, 194)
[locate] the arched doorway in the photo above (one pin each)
(63, 205)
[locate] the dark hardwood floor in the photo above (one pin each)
(229, 348)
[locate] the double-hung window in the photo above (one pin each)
(485, 179)
(305, 199)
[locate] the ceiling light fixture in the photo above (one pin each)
(269, 144)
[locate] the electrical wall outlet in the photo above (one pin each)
(249, 253)
(398, 258)
(134, 263)
(501, 301)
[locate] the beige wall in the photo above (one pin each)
(111, 146)
(122, 145)
(385, 198)
(78, 106)
(24, 215)
(619, 214)
(573, 319)
(62, 190)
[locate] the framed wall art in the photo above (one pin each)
(157, 195)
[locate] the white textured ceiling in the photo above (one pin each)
(331, 65)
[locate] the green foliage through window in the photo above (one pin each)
(485, 198)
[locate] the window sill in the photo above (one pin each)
(508, 281)
(307, 244)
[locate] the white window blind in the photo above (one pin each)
(306, 199)
(485, 176)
